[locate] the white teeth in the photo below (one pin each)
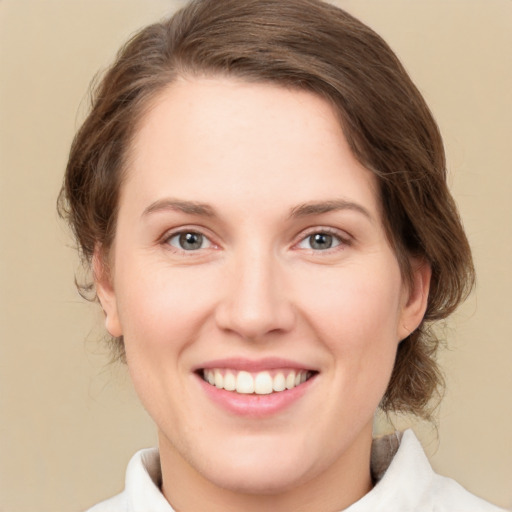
(290, 380)
(219, 379)
(279, 382)
(229, 381)
(244, 383)
(261, 383)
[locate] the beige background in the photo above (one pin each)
(68, 421)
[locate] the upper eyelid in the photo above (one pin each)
(171, 233)
(343, 235)
(340, 233)
(186, 229)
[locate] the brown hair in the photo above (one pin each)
(313, 46)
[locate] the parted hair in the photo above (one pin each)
(307, 45)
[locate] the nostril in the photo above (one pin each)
(254, 321)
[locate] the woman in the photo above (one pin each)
(260, 190)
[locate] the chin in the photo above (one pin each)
(265, 470)
(268, 479)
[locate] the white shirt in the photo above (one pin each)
(405, 483)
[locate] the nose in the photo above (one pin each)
(254, 300)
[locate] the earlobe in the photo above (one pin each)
(106, 293)
(416, 298)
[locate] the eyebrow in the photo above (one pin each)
(302, 210)
(190, 207)
(317, 208)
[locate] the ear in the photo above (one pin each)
(415, 298)
(105, 291)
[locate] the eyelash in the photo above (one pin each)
(166, 240)
(341, 241)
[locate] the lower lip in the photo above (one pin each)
(252, 405)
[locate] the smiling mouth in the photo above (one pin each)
(259, 383)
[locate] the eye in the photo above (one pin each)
(320, 241)
(189, 241)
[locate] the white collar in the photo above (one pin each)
(405, 483)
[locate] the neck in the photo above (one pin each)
(336, 488)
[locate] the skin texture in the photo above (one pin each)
(255, 154)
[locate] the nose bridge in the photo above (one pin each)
(255, 302)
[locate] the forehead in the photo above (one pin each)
(220, 138)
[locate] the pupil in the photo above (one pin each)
(321, 241)
(190, 241)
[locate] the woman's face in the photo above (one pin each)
(250, 251)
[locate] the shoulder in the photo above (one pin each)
(447, 495)
(434, 492)
(407, 483)
(142, 487)
(117, 503)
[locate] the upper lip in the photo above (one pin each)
(254, 365)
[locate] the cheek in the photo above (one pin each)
(163, 311)
(356, 315)
(356, 307)
(161, 318)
